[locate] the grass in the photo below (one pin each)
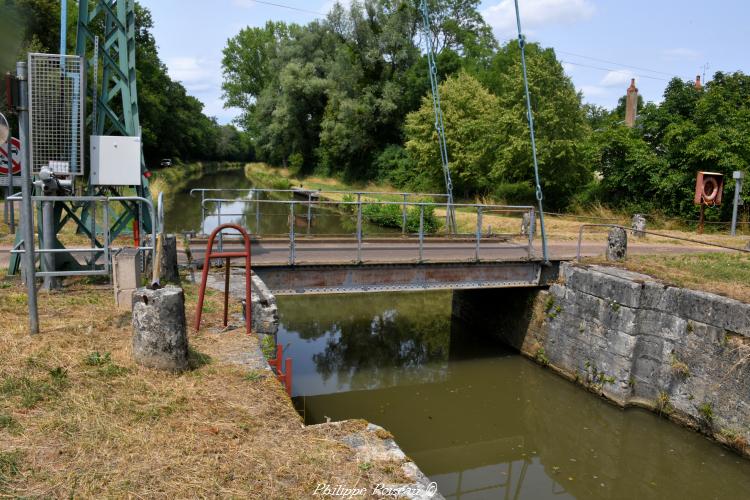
(725, 274)
(79, 419)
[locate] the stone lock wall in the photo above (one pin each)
(637, 341)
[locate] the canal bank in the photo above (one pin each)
(636, 341)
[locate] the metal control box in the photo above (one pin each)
(115, 160)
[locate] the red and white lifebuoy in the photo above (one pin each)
(15, 146)
(710, 190)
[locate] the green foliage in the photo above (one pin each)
(653, 166)
(541, 357)
(9, 465)
(105, 366)
(336, 91)
(706, 411)
(392, 216)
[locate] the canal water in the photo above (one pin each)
(183, 212)
(479, 419)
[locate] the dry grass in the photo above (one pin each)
(79, 418)
(726, 274)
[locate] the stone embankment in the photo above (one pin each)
(640, 342)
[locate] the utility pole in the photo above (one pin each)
(738, 175)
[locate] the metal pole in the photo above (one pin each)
(403, 215)
(64, 26)
(359, 229)
(531, 230)
(479, 233)
(257, 211)
(539, 194)
(309, 211)
(737, 191)
(203, 212)
(421, 233)
(221, 234)
(291, 235)
(107, 242)
(27, 210)
(48, 229)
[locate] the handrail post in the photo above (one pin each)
(421, 233)
(203, 211)
(479, 232)
(107, 235)
(221, 234)
(309, 211)
(256, 194)
(531, 230)
(359, 229)
(291, 234)
(403, 215)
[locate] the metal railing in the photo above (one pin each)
(661, 235)
(104, 251)
(313, 195)
(477, 235)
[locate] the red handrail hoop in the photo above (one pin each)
(226, 255)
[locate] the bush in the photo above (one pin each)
(516, 193)
(391, 216)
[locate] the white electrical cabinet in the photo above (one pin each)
(115, 160)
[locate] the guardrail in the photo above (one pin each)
(477, 235)
(661, 235)
(106, 248)
(314, 194)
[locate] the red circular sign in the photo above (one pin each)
(15, 146)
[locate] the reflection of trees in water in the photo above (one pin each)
(373, 340)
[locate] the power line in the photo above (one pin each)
(290, 7)
(615, 63)
(614, 70)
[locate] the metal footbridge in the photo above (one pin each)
(316, 241)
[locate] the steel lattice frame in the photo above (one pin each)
(115, 107)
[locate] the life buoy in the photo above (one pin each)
(710, 190)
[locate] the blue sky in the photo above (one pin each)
(603, 43)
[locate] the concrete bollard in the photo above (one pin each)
(639, 226)
(159, 328)
(617, 244)
(126, 276)
(169, 269)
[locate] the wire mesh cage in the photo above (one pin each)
(56, 113)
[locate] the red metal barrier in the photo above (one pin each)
(285, 377)
(226, 255)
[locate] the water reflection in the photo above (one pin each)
(480, 420)
(183, 212)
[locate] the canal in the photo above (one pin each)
(479, 419)
(476, 417)
(183, 212)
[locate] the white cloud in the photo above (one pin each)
(590, 91)
(680, 53)
(617, 78)
(536, 14)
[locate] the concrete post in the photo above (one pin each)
(126, 276)
(159, 329)
(617, 244)
(638, 225)
(737, 175)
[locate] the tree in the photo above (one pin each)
(559, 119)
(474, 124)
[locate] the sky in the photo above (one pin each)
(602, 43)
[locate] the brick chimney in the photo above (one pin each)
(698, 84)
(631, 104)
